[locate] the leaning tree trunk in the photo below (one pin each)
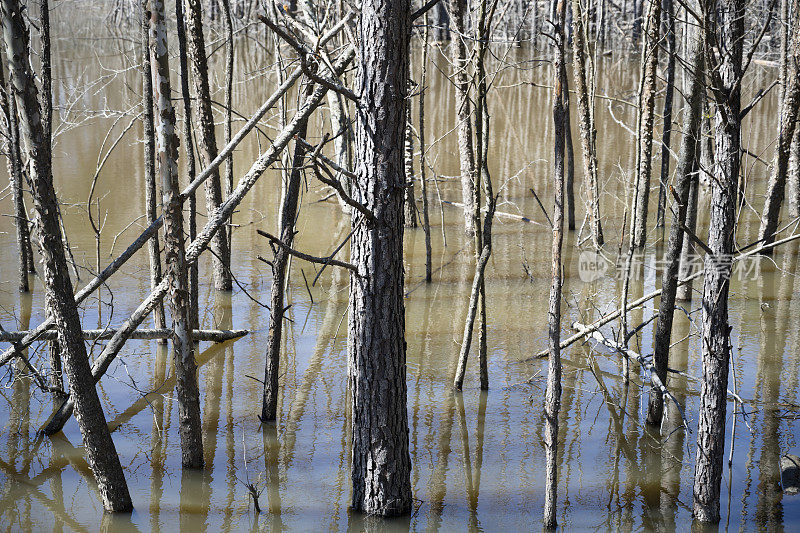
(177, 274)
(585, 120)
(729, 16)
(644, 123)
(269, 403)
(381, 465)
(151, 193)
(790, 106)
(552, 402)
(100, 451)
(207, 141)
(687, 169)
(466, 151)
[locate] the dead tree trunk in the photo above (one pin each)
(13, 159)
(669, 90)
(226, 10)
(100, 451)
(177, 274)
(426, 221)
(569, 182)
(552, 402)
(644, 123)
(724, 24)
(586, 122)
(207, 141)
(151, 193)
(790, 106)
(466, 151)
(194, 278)
(381, 465)
(687, 168)
(269, 403)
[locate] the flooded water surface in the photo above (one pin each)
(477, 457)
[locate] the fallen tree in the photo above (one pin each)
(213, 335)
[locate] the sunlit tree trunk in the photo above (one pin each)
(466, 150)
(552, 402)
(644, 123)
(100, 451)
(381, 465)
(586, 122)
(176, 271)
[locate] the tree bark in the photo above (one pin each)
(552, 400)
(410, 211)
(269, 403)
(177, 275)
(728, 17)
(381, 465)
(207, 141)
(100, 451)
(426, 221)
(687, 168)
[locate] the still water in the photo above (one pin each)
(478, 458)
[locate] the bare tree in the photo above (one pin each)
(789, 109)
(381, 465)
(177, 273)
(100, 451)
(586, 121)
(466, 150)
(644, 123)
(723, 24)
(688, 166)
(552, 402)
(206, 140)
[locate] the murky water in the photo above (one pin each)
(478, 458)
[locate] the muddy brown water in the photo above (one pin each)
(478, 457)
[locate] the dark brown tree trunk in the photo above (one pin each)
(552, 402)
(687, 169)
(280, 261)
(151, 192)
(14, 163)
(207, 141)
(426, 222)
(100, 451)
(177, 273)
(724, 23)
(381, 465)
(669, 36)
(790, 106)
